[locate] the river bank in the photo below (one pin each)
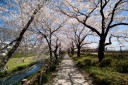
(17, 77)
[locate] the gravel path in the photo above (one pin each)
(68, 74)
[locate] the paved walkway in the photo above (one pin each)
(68, 74)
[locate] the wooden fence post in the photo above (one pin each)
(24, 82)
(39, 77)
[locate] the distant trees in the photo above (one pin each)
(47, 25)
(77, 36)
(72, 47)
(100, 16)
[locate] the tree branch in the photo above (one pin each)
(114, 25)
(109, 41)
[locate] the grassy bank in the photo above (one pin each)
(111, 71)
(17, 63)
(20, 60)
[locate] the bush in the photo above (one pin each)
(89, 54)
(3, 74)
(53, 67)
(103, 76)
(80, 64)
(105, 62)
(122, 67)
(95, 63)
(100, 80)
(45, 78)
(87, 62)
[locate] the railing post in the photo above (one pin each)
(39, 76)
(24, 82)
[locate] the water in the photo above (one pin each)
(16, 78)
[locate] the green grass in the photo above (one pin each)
(19, 55)
(17, 63)
(106, 76)
(105, 73)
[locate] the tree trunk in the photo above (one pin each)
(101, 49)
(72, 51)
(56, 56)
(18, 40)
(50, 50)
(78, 51)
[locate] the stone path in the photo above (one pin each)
(68, 74)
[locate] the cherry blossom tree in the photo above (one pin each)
(19, 14)
(77, 35)
(47, 25)
(100, 16)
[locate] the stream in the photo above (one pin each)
(17, 77)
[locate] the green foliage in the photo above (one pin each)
(80, 64)
(87, 62)
(53, 67)
(111, 71)
(90, 54)
(105, 62)
(46, 78)
(19, 68)
(95, 63)
(19, 55)
(16, 64)
(101, 76)
(18, 60)
(122, 67)
(3, 74)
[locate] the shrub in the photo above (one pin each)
(103, 76)
(88, 54)
(3, 74)
(122, 67)
(45, 78)
(95, 63)
(80, 64)
(105, 62)
(53, 67)
(100, 80)
(87, 62)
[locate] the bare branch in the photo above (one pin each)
(118, 24)
(109, 41)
